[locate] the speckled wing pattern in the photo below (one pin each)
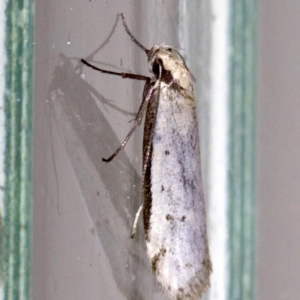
(174, 212)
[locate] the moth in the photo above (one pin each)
(173, 205)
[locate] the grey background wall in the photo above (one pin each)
(81, 116)
(84, 208)
(278, 151)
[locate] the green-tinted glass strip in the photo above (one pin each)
(242, 146)
(18, 152)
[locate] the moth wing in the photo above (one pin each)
(176, 234)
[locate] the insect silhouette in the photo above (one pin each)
(173, 205)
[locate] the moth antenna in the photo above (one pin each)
(131, 36)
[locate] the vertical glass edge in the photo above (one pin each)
(18, 98)
(242, 149)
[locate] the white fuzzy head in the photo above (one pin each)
(173, 65)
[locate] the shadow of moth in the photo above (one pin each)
(173, 205)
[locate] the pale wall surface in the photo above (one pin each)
(83, 207)
(278, 165)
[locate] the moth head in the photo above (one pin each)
(172, 65)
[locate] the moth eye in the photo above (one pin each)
(155, 67)
(169, 49)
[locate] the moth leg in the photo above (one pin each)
(123, 75)
(137, 122)
(133, 232)
(148, 151)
